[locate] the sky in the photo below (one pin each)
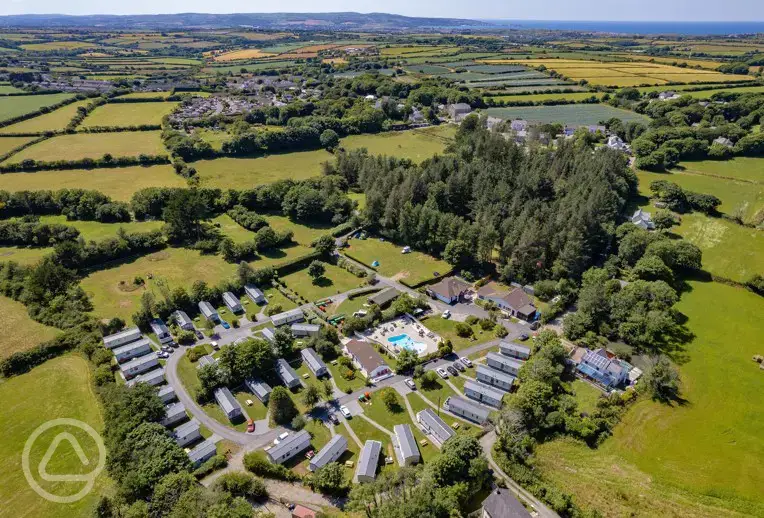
(626, 10)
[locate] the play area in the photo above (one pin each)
(407, 333)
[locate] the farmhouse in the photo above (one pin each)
(183, 321)
(643, 220)
(615, 142)
(367, 462)
(483, 393)
(496, 379)
(208, 311)
(254, 294)
(723, 141)
(123, 337)
(166, 394)
(287, 317)
(367, 360)
(514, 350)
(459, 111)
(139, 365)
(153, 378)
(384, 297)
(187, 433)
(333, 450)
(513, 301)
(433, 425)
(233, 302)
(502, 363)
(466, 409)
(260, 389)
(160, 329)
(174, 414)
(287, 373)
(501, 503)
(205, 360)
(203, 452)
(449, 290)
(314, 362)
(404, 444)
(228, 403)
(301, 330)
(132, 350)
(603, 369)
(289, 447)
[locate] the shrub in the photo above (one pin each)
(299, 422)
(273, 309)
(186, 337)
(501, 332)
(235, 323)
(471, 320)
(195, 353)
(463, 330)
(242, 484)
(215, 463)
(487, 324)
(256, 463)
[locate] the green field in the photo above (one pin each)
(412, 268)
(96, 231)
(119, 183)
(176, 266)
(570, 96)
(567, 114)
(23, 255)
(740, 168)
(244, 173)
(53, 121)
(8, 144)
(12, 107)
(18, 331)
(232, 229)
(146, 95)
(416, 145)
(8, 89)
(335, 280)
(702, 458)
(93, 145)
(128, 114)
(60, 388)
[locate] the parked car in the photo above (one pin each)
(174, 344)
(466, 361)
(535, 326)
(215, 346)
(523, 337)
(446, 314)
(333, 418)
(167, 348)
(225, 324)
(452, 371)
(410, 384)
(199, 335)
(459, 366)
(163, 354)
(345, 412)
(250, 426)
(442, 373)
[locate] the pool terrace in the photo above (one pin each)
(406, 332)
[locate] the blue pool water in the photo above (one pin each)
(407, 343)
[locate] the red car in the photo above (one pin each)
(250, 426)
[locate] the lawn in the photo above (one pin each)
(274, 296)
(335, 280)
(244, 173)
(146, 95)
(60, 388)
(128, 114)
(187, 375)
(96, 231)
(53, 121)
(175, 266)
(93, 145)
(702, 458)
(255, 412)
(437, 393)
(413, 268)
(8, 144)
(18, 331)
(12, 107)
(567, 114)
(347, 386)
(446, 329)
(417, 145)
(118, 183)
(360, 198)
(418, 404)
(586, 396)
(231, 229)
(304, 234)
(740, 168)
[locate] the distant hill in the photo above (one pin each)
(333, 21)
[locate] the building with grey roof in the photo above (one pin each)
(228, 403)
(288, 317)
(132, 350)
(183, 320)
(166, 393)
(333, 450)
(501, 503)
(153, 378)
(161, 330)
(233, 302)
(203, 452)
(384, 297)
(434, 426)
(139, 365)
(368, 461)
(174, 414)
(494, 378)
(205, 360)
(259, 388)
(187, 433)
(314, 362)
(287, 373)
(208, 311)
(254, 293)
(483, 393)
(503, 363)
(513, 350)
(268, 334)
(466, 409)
(301, 330)
(405, 446)
(126, 336)
(289, 447)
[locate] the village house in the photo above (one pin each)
(450, 290)
(367, 360)
(603, 369)
(723, 141)
(643, 220)
(501, 503)
(515, 302)
(459, 111)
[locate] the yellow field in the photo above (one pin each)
(10, 143)
(18, 331)
(243, 54)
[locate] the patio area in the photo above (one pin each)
(405, 332)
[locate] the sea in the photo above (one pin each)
(683, 28)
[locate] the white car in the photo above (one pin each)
(345, 412)
(410, 383)
(466, 361)
(446, 314)
(442, 373)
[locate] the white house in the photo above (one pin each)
(459, 111)
(289, 447)
(723, 141)
(615, 142)
(643, 220)
(367, 360)
(333, 450)
(603, 369)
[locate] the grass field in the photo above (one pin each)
(413, 268)
(18, 331)
(705, 94)
(128, 114)
(702, 458)
(119, 183)
(335, 280)
(11, 107)
(93, 145)
(232, 229)
(243, 173)
(8, 89)
(416, 145)
(570, 96)
(567, 114)
(59, 388)
(740, 168)
(446, 329)
(53, 121)
(58, 45)
(96, 231)
(8, 144)
(235, 55)
(145, 95)
(23, 255)
(175, 266)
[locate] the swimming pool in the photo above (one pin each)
(407, 343)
